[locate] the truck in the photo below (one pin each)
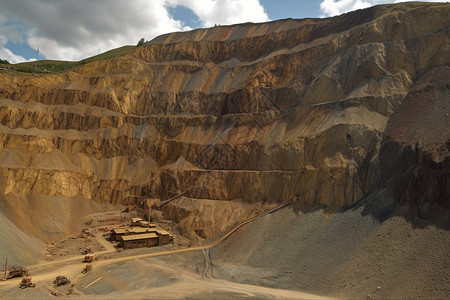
(16, 272)
(26, 282)
(61, 280)
(89, 257)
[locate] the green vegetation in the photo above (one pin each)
(141, 42)
(57, 66)
(4, 61)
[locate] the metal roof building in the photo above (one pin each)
(139, 240)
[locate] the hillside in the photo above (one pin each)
(339, 113)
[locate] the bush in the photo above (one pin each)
(141, 42)
(4, 61)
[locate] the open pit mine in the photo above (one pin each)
(293, 159)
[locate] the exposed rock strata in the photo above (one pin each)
(291, 110)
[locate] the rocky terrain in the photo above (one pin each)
(337, 112)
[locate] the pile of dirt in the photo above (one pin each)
(349, 254)
(36, 227)
(18, 247)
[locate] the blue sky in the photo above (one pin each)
(280, 9)
(296, 9)
(76, 29)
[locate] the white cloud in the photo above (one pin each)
(224, 12)
(104, 25)
(7, 54)
(336, 7)
(73, 30)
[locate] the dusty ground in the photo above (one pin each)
(177, 276)
(130, 276)
(352, 254)
(76, 244)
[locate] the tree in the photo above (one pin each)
(141, 42)
(4, 61)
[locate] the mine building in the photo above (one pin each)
(136, 221)
(142, 223)
(118, 232)
(147, 224)
(140, 228)
(150, 239)
(164, 237)
(139, 240)
(146, 236)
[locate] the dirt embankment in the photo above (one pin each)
(350, 254)
(38, 227)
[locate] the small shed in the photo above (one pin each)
(164, 237)
(136, 221)
(139, 240)
(147, 224)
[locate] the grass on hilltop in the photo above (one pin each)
(57, 66)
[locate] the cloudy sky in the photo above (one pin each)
(76, 29)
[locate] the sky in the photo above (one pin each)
(77, 29)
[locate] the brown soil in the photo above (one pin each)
(352, 254)
(351, 112)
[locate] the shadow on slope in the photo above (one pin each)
(347, 254)
(17, 246)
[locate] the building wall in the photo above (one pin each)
(164, 239)
(116, 237)
(140, 243)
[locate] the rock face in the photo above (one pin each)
(323, 111)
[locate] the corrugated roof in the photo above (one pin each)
(132, 237)
(141, 230)
(163, 232)
(146, 223)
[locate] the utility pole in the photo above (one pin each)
(37, 57)
(148, 206)
(6, 266)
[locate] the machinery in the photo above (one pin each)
(16, 272)
(86, 269)
(89, 257)
(26, 282)
(61, 280)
